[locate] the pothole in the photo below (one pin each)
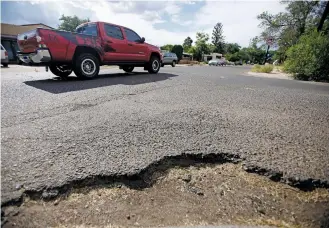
(184, 195)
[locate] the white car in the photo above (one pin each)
(217, 62)
(4, 56)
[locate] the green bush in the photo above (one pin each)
(262, 69)
(178, 50)
(309, 58)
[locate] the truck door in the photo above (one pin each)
(137, 50)
(114, 44)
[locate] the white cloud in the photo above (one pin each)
(139, 17)
(239, 18)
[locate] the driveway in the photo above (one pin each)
(59, 132)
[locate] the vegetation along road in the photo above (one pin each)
(60, 136)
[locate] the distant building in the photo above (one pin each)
(211, 56)
(9, 34)
(187, 56)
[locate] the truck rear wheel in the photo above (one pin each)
(154, 65)
(86, 66)
(62, 71)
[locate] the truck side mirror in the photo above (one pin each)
(142, 40)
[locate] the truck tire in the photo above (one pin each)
(86, 66)
(154, 65)
(62, 71)
(128, 69)
(5, 64)
(173, 64)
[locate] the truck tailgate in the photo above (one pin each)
(27, 42)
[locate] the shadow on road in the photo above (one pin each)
(57, 85)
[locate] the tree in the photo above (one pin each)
(178, 50)
(167, 47)
(287, 27)
(309, 58)
(324, 17)
(232, 48)
(201, 46)
(187, 43)
(192, 50)
(69, 23)
(211, 48)
(218, 38)
(233, 57)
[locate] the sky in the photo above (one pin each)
(160, 22)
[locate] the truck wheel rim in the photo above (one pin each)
(88, 66)
(155, 65)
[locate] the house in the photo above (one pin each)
(9, 34)
(187, 56)
(211, 56)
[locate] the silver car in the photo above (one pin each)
(4, 56)
(169, 58)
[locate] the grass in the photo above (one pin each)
(262, 69)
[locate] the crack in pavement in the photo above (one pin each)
(145, 178)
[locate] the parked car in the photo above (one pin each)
(169, 59)
(222, 62)
(4, 57)
(217, 62)
(238, 63)
(84, 51)
(213, 62)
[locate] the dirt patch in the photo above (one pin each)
(198, 195)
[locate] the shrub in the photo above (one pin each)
(309, 58)
(178, 50)
(262, 69)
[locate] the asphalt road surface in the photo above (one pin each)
(55, 132)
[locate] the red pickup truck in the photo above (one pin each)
(84, 51)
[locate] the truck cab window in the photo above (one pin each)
(132, 36)
(113, 31)
(88, 29)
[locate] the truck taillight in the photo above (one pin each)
(6, 53)
(38, 38)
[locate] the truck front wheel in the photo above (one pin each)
(62, 71)
(154, 65)
(86, 66)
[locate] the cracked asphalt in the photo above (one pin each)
(55, 132)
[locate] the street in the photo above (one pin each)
(55, 133)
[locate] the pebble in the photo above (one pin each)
(48, 194)
(187, 178)
(56, 202)
(18, 186)
(196, 190)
